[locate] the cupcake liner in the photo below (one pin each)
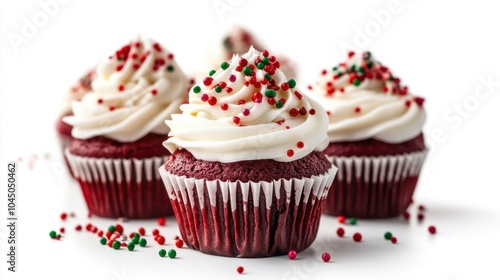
(64, 141)
(248, 219)
(115, 188)
(374, 187)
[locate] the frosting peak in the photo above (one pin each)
(365, 100)
(133, 92)
(248, 110)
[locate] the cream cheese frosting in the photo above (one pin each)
(364, 100)
(248, 110)
(133, 92)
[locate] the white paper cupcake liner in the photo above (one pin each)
(374, 187)
(121, 187)
(248, 219)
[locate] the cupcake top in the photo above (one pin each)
(134, 91)
(365, 100)
(78, 90)
(237, 41)
(248, 110)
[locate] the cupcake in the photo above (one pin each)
(376, 138)
(237, 41)
(76, 92)
(246, 177)
(118, 130)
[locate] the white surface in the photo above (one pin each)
(442, 51)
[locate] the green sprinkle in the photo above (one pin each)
(353, 67)
(218, 89)
(170, 68)
(292, 83)
(196, 89)
(103, 240)
(53, 234)
(172, 253)
(361, 69)
(279, 104)
(58, 236)
(260, 65)
(367, 55)
(335, 68)
(387, 235)
(267, 76)
(111, 229)
(224, 65)
(211, 73)
(136, 235)
(247, 71)
(369, 64)
(270, 93)
(265, 60)
(131, 246)
(162, 253)
(116, 244)
(143, 242)
(353, 221)
(356, 82)
(135, 240)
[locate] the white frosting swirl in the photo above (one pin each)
(232, 116)
(135, 90)
(377, 107)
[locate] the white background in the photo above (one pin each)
(443, 51)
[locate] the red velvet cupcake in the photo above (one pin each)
(119, 129)
(376, 138)
(246, 177)
(76, 92)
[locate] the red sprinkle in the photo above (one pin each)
(63, 216)
(300, 144)
(155, 232)
(212, 100)
(154, 92)
(119, 67)
(100, 233)
(240, 269)
(406, 215)
(257, 97)
(325, 257)
(207, 81)
(341, 219)
(394, 240)
(312, 111)
(204, 97)
(285, 86)
(294, 112)
(156, 46)
(265, 53)
(78, 228)
(62, 230)
(420, 217)
(118, 228)
(357, 237)
(432, 229)
(236, 120)
(141, 231)
(421, 208)
(179, 243)
(303, 111)
(299, 96)
(99, 101)
(246, 112)
(160, 239)
(290, 153)
(340, 232)
(357, 109)
(292, 254)
(407, 103)
(121, 87)
(224, 106)
(88, 226)
(111, 108)
(350, 54)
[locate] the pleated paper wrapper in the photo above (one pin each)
(374, 187)
(248, 219)
(129, 188)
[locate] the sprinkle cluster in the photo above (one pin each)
(267, 90)
(134, 51)
(358, 70)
